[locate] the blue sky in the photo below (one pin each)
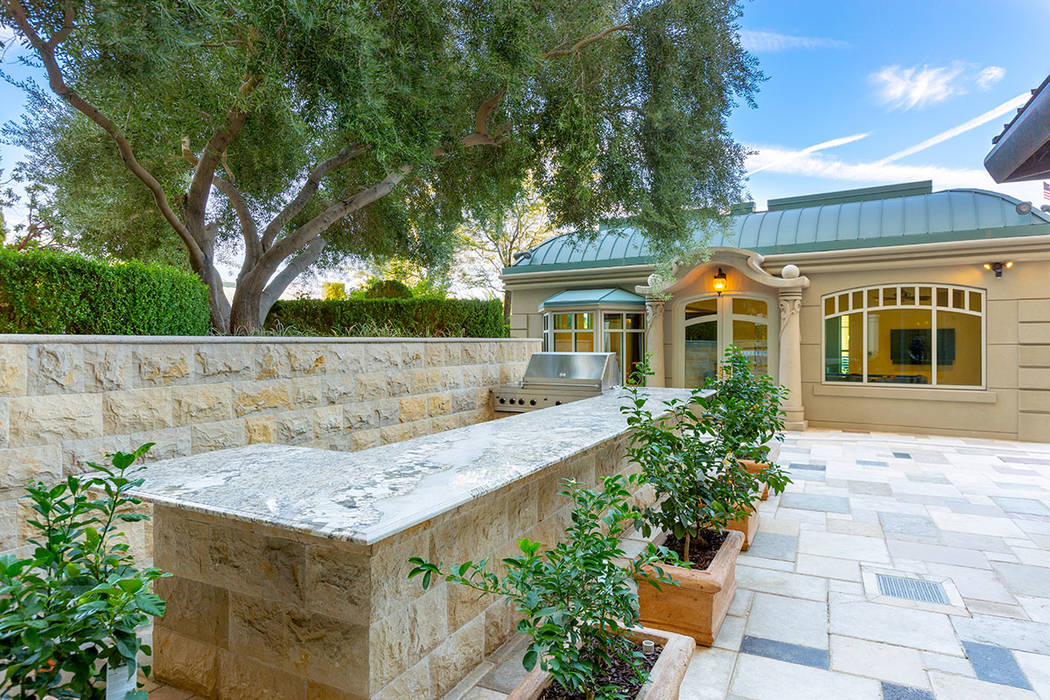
(877, 79)
(854, 87)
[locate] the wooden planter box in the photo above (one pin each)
(665, 678)
(748, 527)
(698, 604)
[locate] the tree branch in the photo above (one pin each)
(249, 231)
(295, 267)
(313, 182)
(46, 50)
(584, 42)
(213, 153)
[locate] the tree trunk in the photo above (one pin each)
(506, 308)
(244, 312)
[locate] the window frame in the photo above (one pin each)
(598, 329)
(933, 307)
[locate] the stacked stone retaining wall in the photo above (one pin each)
(67, 400)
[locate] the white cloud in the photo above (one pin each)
(990, 76)
(842, 141)
(977, 121)
(772, 41)
(909, 87)
(916, 87)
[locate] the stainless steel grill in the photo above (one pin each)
(554, 378)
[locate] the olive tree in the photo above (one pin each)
(300, 132)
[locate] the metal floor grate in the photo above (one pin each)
(912, 589)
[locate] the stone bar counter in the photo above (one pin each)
(290, 564)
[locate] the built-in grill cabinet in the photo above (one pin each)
(554, 378)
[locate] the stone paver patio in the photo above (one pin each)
(809, 620)
(971, 514)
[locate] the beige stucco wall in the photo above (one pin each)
(1015, 403)
(66, 400)
(991, 412)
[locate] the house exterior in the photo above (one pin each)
(890, 308)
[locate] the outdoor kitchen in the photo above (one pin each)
(296, 558)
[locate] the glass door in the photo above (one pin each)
(702, 349)
(714, 323)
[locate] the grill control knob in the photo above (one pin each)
(532, 402)
(557, 403)
(521, 402)
(502, 400)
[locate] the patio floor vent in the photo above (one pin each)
(912, 589)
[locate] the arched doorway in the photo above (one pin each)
(712, 323)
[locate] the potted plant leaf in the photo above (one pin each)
(578, 607)
(69, 614)
(699, 490)
(745, 414)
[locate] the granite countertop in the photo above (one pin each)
(366, 496)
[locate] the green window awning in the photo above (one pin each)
(593, 297)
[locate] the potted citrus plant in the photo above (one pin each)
(578, 607)
(69, 614)
(700, 489)
(745, 414)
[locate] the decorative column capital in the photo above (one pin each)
(654, 307)
(790, 303)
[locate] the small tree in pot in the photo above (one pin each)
(576, 601)
(69, 613)
(745, 409)
(701, 490)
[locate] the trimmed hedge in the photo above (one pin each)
(49, 292)
(419, 317)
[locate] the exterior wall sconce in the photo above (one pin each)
(998, 267)
(720, 282)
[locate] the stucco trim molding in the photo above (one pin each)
(905, 393)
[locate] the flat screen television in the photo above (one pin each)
(911, 346)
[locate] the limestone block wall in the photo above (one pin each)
(66, 400)
(258, 611)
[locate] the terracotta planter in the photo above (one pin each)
(748, 527)
(698, 604)
(754, 467)
(665, 678)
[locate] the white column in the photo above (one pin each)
(791, 357)
(654, 339)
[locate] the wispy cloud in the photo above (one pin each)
(990, 76)
(909, 87)
(1004, 108)
(798, 162)
(823, 145)
(753, 40)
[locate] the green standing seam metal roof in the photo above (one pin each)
(594, 297)
(802, 224)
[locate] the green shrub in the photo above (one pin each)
(80, 599)
(386, 289)
(424, 317)
(576, 599)
(50, 292)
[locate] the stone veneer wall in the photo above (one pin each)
(255, 611)
(65, 400)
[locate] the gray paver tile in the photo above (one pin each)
(892, 691)
(1020, 635)
(1024, 580)
(783, 651)
(772, 545)
(818, 502)
(791, 620)
(994, 664)
(1028, 506)
(908, 524)
(940, 554)
(761, 678)
(894, 625)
